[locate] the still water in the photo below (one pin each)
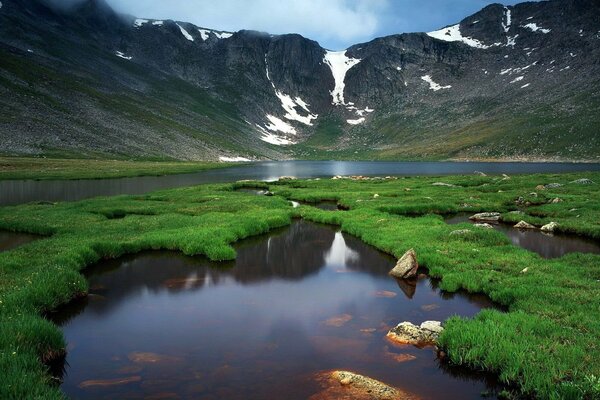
(24, 191)
(547, 245)
(12, 240)
(296, 302)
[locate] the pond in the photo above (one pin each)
(547, 245)
(12, 240)
(294, 303)
(24, 191)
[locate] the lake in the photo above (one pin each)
(24, 191)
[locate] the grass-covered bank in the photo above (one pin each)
(546, 344)
(59, 168)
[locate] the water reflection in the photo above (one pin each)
(23, 191)
(12, 240)
(296, 302)
(547, 245)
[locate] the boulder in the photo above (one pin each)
(460, 232)
(486, 216)
(426, 334)
(484, 225)
(287, 178)
(346, 385)
(552, 185)
(375, 196)
(556, 200)
(407, 266)
(269, 193)
(540, 187)
(583, 181)
(524, 225)
(443, 184)
(551, 227)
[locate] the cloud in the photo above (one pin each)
(334, 22)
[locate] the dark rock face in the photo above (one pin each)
(505, 82)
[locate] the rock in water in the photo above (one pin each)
(407, 333)
(486, 216)
(551, 227)
(524, 225)
(346, 385)
(407, 266)
(484, 225)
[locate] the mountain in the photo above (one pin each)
(505, 83)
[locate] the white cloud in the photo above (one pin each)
(334, 22)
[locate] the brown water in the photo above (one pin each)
(23, 191)
(12, 240)
(547, 245)
(295, 302)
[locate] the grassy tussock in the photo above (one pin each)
(546, 344)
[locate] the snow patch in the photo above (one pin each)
(158, 23)
(120, 54)
(526, 85)
(532, 26)
(339, 64)
(185, 33)
(517, 79)
(0, 4)
(233, 159)
(452, 34)
(139, 22)
(432, 85)
(204, 34)
(223, 35)
(355, 121)
(508, 18)
(511, 41)
(289, 105)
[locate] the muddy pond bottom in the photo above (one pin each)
(547, 245)
(296, 302)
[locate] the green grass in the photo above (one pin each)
(546, 344)
(55, 168)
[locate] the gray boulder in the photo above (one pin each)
(407, 266)
(424, 335)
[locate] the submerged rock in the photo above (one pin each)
(551, 227)
(346, 385)
(109, 382)
(407, 266)
(151, 358)
(426, 334)
(486, 216)
(338, 320)
(524, 225)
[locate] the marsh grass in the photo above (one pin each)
(546, 344)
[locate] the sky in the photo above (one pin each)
(335, 24)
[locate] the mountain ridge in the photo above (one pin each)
(496, 85)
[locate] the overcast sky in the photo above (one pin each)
(335, 24)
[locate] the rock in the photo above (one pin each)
(551, 227)
(460, 232)
(287, 178)
(338, 320)
(407, 266)
(480, 173)
(524, 271)
(484, 225)
(540, 187)
(268, 193)
(505, 177)
(295, 204)
(430, 307)
(337, 177)
(443, 184)
(517, 212)
(346, 385)
(486, 216)
(420, 336)
(552, 185)
(385, 294)
(109, 382)
(524, 225)
(583, 181)
(556, 200)
(375, 196)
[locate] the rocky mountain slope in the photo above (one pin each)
(506, 82)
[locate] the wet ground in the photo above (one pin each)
(296, 302)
